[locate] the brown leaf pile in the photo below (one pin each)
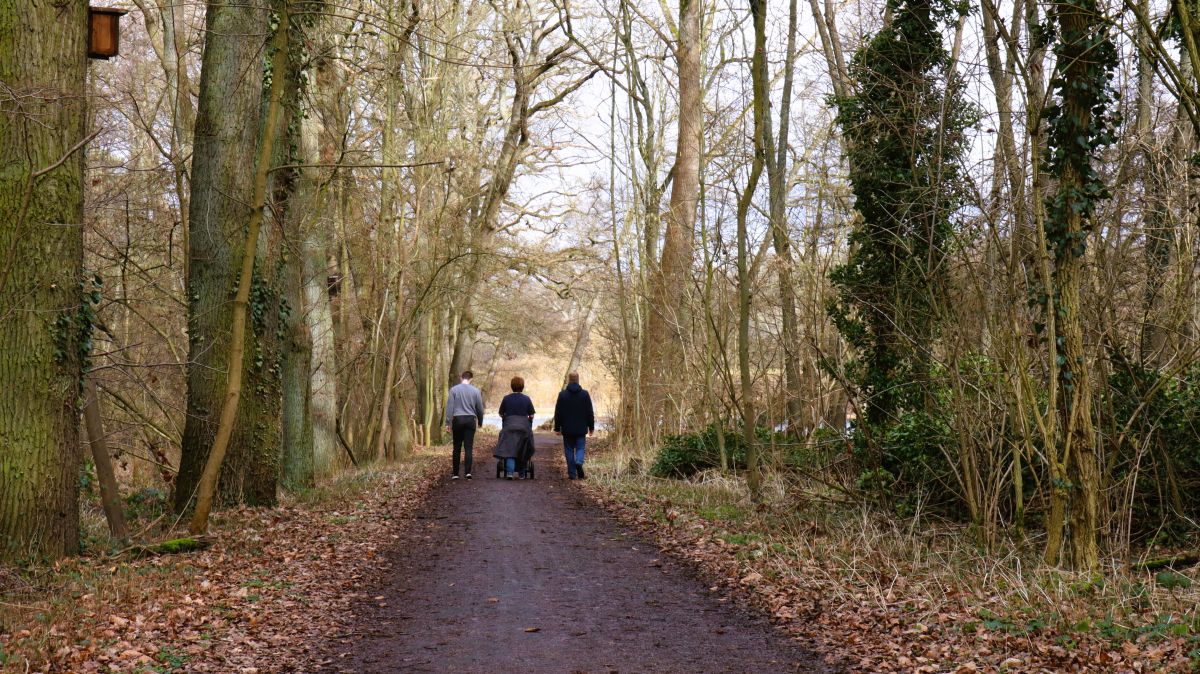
(877, 624)
(275, 585)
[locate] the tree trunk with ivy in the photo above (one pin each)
(294, 199)
(1080, 124)
(244, 305)
(902, 125)
(45, 313)
(227, 130)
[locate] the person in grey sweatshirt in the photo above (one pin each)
(464, 413)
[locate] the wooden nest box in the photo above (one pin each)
(104, 31)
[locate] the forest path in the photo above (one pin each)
(528, 576)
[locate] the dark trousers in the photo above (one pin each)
(463, 430)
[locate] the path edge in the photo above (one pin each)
(719, 574)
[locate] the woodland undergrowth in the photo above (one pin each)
(876, 592)
(262, 598)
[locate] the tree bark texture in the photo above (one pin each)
(662, 359)
(223, 166)
(322, 387)
(242, 309)
(110, 494)
(43, 324)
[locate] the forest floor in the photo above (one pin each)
(263, 598)
(391, 569)
(397, 568)
(883, 593)
(529, 576)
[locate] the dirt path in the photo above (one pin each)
(527, 576)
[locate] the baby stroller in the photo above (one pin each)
(525, 468)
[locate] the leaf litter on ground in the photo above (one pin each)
(867, 612)
(274, 585)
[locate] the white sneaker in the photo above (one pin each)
(468, 476)
(453, 477)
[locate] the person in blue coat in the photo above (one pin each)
(574, 419)
(516, 428)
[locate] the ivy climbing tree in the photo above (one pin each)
(1081, 121)
(46, 303)
(903, 129)
(228, 121)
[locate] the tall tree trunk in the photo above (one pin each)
(776, 158)
(110, 494)
(246, 429)
(758, 76)
(662, 360)
(328, 128)
(43, 59)
(227, 126)
(294, 198)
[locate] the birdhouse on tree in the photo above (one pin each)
(104, 31)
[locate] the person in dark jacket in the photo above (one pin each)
(516, 426)
(575, 419)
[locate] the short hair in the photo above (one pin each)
(467, 374)
(573, 378)
(517, 384)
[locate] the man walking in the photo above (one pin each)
(575, 420)
(464, 413)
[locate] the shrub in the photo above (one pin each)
(146, 503)
(686, 454)
(1161, 448)
(913, 449)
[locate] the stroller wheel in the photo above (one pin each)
(529, 469)
(500, 468)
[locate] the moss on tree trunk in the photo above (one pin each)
(227, 129)
(44, 326)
